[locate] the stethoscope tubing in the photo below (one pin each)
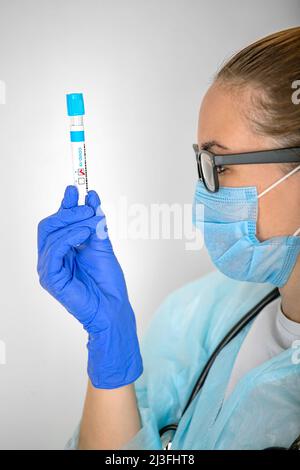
(272, 295)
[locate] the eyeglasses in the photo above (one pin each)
(209, 164)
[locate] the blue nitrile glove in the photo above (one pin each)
(77, 266)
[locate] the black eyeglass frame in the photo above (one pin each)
(279, 155)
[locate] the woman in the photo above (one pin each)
(250, 399)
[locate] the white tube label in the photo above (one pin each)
(80, 170)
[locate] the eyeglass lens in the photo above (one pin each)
(207, 171)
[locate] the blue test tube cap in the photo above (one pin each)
(75, 104)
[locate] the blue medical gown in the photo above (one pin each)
(263, 409)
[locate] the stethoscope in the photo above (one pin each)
(171, 428)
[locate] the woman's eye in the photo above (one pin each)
(221, 169)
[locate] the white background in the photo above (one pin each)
(143, 67)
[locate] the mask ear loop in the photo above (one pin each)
(278, 182)
(296, 233)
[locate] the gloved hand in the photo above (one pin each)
(77, 266)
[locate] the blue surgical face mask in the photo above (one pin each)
(227, 219)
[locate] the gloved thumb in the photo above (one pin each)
(93, 200)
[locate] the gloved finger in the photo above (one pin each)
(62, 218)
(53, 237)
(90, 223)
(70, 198)
(54, 257)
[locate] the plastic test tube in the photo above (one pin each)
(75, 106)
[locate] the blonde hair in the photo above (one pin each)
(269, 66)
